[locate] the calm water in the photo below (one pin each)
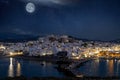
(15, 67)
(101, 67)
(10, 67)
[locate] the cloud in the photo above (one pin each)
(51, 2)
(4, 2)
(20, 31)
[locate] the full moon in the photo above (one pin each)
(30, 7)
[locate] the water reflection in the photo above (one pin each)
(110, 67)
(96, 66)
(18, 69)
(117, 71)
(43, 64)
(101, 67)
(12, 67)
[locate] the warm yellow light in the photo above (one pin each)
(11, 68)
(73, 54)
(11, 53)
(20, 53)
(85, 55)
(16, 53)
(77, 58)
(43, 54)
(2, 47)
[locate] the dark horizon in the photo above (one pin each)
(87, 19)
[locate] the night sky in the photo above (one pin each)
(89, 19)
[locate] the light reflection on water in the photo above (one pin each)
(101, 67)
(18, 69)
(117, 71)
(110, 66)
(11, 67)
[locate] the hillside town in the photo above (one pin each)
(53, 44)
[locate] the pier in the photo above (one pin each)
(77, 63)
(72, 68)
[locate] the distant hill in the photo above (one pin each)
(12, 37)
(76, 38)
(116, 41)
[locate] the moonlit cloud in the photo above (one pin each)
(90, 19)
(20, 31)
(51, 2)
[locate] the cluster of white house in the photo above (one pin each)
(51, 45)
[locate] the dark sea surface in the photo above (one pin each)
(101, 67)
(11, 67)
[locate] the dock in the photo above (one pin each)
(72, 68)
(75, 64)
